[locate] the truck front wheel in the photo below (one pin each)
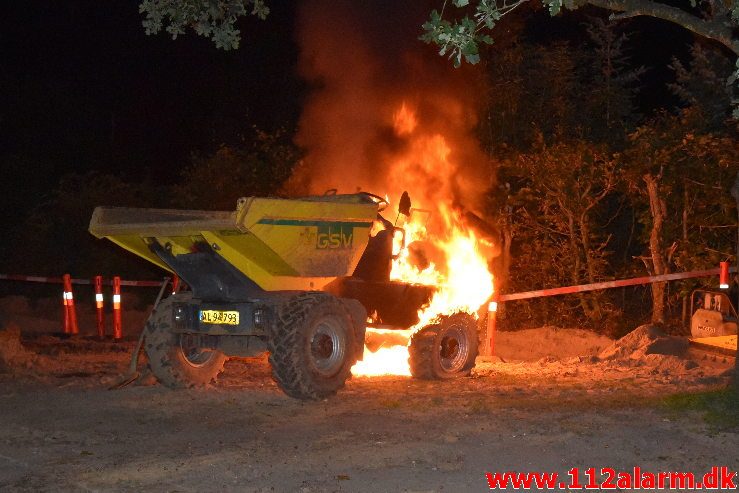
(312, 346)
(174, 358)
(445, 349)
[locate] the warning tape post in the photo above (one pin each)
(70, 312)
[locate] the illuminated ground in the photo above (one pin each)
(62, 430)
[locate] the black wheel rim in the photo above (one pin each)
(327, 346)
(454, 348)
(192, 354)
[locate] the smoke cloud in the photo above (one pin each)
(380, 99)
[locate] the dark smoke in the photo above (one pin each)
(363, 60)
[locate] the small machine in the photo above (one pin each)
(713, 315)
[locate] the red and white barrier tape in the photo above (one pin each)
(581, 288)
(58, 280)
(610, 284)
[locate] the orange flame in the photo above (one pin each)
(391, 360)
(467, 284)
(450, 258)
(404, 120)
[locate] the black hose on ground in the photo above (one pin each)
(132, 375)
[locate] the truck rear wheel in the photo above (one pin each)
(174, 358)
(445, 349)
(312, 347)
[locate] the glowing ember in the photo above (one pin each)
(441, 251)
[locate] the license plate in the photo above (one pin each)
(219, 317)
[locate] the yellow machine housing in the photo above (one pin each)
(279, 244)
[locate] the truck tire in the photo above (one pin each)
(174, 362)
(445, 349)
(312, 346)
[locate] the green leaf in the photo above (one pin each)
(210, 19)
(735, 75)
(554, 6)
(484, 38)
(472, 59)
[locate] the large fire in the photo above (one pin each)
(440, 251)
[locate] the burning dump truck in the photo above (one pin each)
(305, 280)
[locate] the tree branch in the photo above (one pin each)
(718, 29)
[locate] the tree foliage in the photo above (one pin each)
(539, 88)
(461, 37)
(563, 210)
(678, 180)
(700, 84)
(54, 238)
(551, 206)
(215, 19)
(613, 82)
(538, 127)
(258, 167)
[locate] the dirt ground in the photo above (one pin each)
(63, 430)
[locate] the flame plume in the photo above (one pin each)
(386, 114)
(452, 260)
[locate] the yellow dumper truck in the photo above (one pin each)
(294, 277)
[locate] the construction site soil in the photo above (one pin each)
(554, 399)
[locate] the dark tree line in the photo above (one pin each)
(590, 190)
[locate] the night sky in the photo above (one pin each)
(83, 87)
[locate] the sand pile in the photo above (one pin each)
(649, 348)
(646, 353)
(12, 353)
(666, 364)
(643, 341)
(548, 342)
